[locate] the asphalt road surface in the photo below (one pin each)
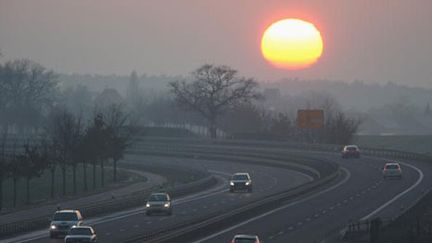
(119, 226)
(361, 192)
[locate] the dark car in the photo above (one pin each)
(159, 203)
(351, 151)
(245, 239)
(241, 182)
(82, 234)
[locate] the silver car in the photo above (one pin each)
(392, 170)
(159, 203)
(81, 234)
(63, 220)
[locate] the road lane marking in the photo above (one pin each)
(400, 194)
(347, 177)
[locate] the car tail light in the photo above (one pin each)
(233, 241)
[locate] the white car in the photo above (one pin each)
(81, 234)
(63, 221)
(392, 170)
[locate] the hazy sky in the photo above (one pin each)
(367, 40)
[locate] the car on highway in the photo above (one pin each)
(63, 220)
(351, 151)
(241, 182)
(245, 239)
(82, 234)
(159, 202)
(392, 170)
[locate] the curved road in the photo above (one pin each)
(318, 218)
(360, 193)
(117, 227)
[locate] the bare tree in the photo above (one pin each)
(119, 134)
(213, 91)
(35, 164)
(65, 131)
(16, 171)
(96, 142)
(3, 166)
(48, 151)
(341, 129)
(26, 88)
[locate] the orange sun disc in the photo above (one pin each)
(292, 44)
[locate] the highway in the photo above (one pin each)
(317, 218)
(360, 192)
(117, 227)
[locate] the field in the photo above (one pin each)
(40, 188)
(416, 144)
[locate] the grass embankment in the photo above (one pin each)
(414, 143)
(40, 188)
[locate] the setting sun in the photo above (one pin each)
(292, 44)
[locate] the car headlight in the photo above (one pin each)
(166, 205)
(247, 183)
(231, 183)
(147, 205)
(53, 227)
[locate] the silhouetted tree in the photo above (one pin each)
(95, 136)
(340, 129)
(48, 151)
(26, 88)
(281, 125)
(3, 166)
(35, 164)
(118, 133)
(65, 132)
(213, 90)
(16, 168)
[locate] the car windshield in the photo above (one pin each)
(351, 148)
(80, 231)
(392, 167)
(240, 177)
(244, 240)
(158, 197)
(65, 217)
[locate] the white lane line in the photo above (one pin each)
(400, 194)
(31, 236)
(348, 175)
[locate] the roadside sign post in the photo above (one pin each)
(309, 120)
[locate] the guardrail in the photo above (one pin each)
(105, 206)
(195, 148)
(387, 153)
(190, 229)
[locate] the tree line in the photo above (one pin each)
(53, 137)
(67, 143)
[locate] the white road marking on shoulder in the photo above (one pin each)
(398, 195)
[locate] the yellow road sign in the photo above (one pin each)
(310, 119)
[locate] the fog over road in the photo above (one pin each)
(359, 192)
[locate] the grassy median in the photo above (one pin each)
(40, 188)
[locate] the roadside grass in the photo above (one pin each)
(40, 188)
(409, 143)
